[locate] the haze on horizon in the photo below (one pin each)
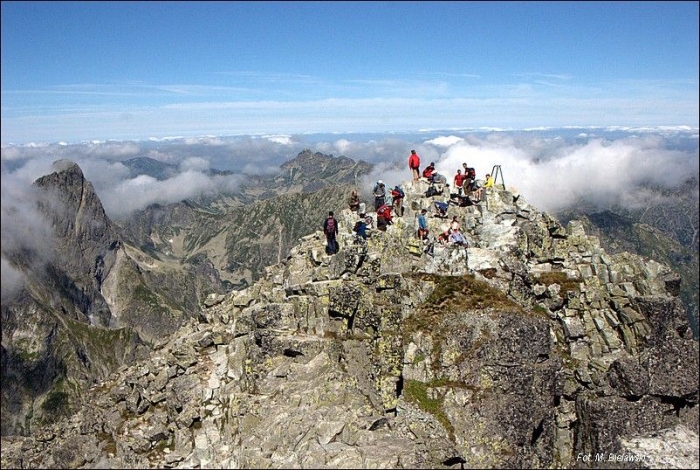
(99, 71)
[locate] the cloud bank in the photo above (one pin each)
(553, 169)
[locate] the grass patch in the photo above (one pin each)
(455, 293)
(416, 392)
(452, 295)
(55, 402)
(558, 277)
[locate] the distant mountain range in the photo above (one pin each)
(157, 169)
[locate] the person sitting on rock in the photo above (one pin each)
(454, 225)
(360, 229)
(479, 193)
(444, 237)
(428, 172)
(354, 201)
(441, 209)
(457, 238)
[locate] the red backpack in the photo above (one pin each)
(384, 211)
(330, 225)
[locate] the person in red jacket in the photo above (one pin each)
(414, 165)
(429, 171)
(459, 181)
(383, 217)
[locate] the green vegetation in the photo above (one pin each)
(457, 293)
(453, 295)
(55, 402)
(558, 277)
(417, 392)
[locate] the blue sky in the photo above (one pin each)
(74, 71)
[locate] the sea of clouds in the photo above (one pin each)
(552, 169)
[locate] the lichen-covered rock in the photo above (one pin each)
(531, 348)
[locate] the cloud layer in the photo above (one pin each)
(553, 169)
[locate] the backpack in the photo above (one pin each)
(431, 191)
(330, 225)
(471, 173)
(400, 191)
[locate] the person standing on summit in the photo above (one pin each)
(414, 165)
(379, 192)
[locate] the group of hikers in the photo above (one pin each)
(467, 186)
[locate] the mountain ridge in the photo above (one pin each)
(528, 348)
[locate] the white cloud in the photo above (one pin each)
(550, 168)
(195, 164)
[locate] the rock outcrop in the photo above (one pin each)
(532, 347)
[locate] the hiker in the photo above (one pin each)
(481, 187)
(441, 208)
(330, 228)
(379, 192)
(454, 225)
(444, 237)
(432, 191)
(459, 201)
(428, 172)
(457, 238)
(470, 175)
(383, 217)
(354, 201)
(422, 225)
(429, 247)
(369, 221)
(414, 165)
(360, 228)
(397, 196)
(459, 181)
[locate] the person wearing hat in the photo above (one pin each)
(379, 194)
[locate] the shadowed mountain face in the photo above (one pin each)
(243, 232)
(87, 303)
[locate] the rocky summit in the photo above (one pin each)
(530, 347)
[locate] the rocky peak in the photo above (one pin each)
(530, 347)
(85, 240)
(322, 170)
